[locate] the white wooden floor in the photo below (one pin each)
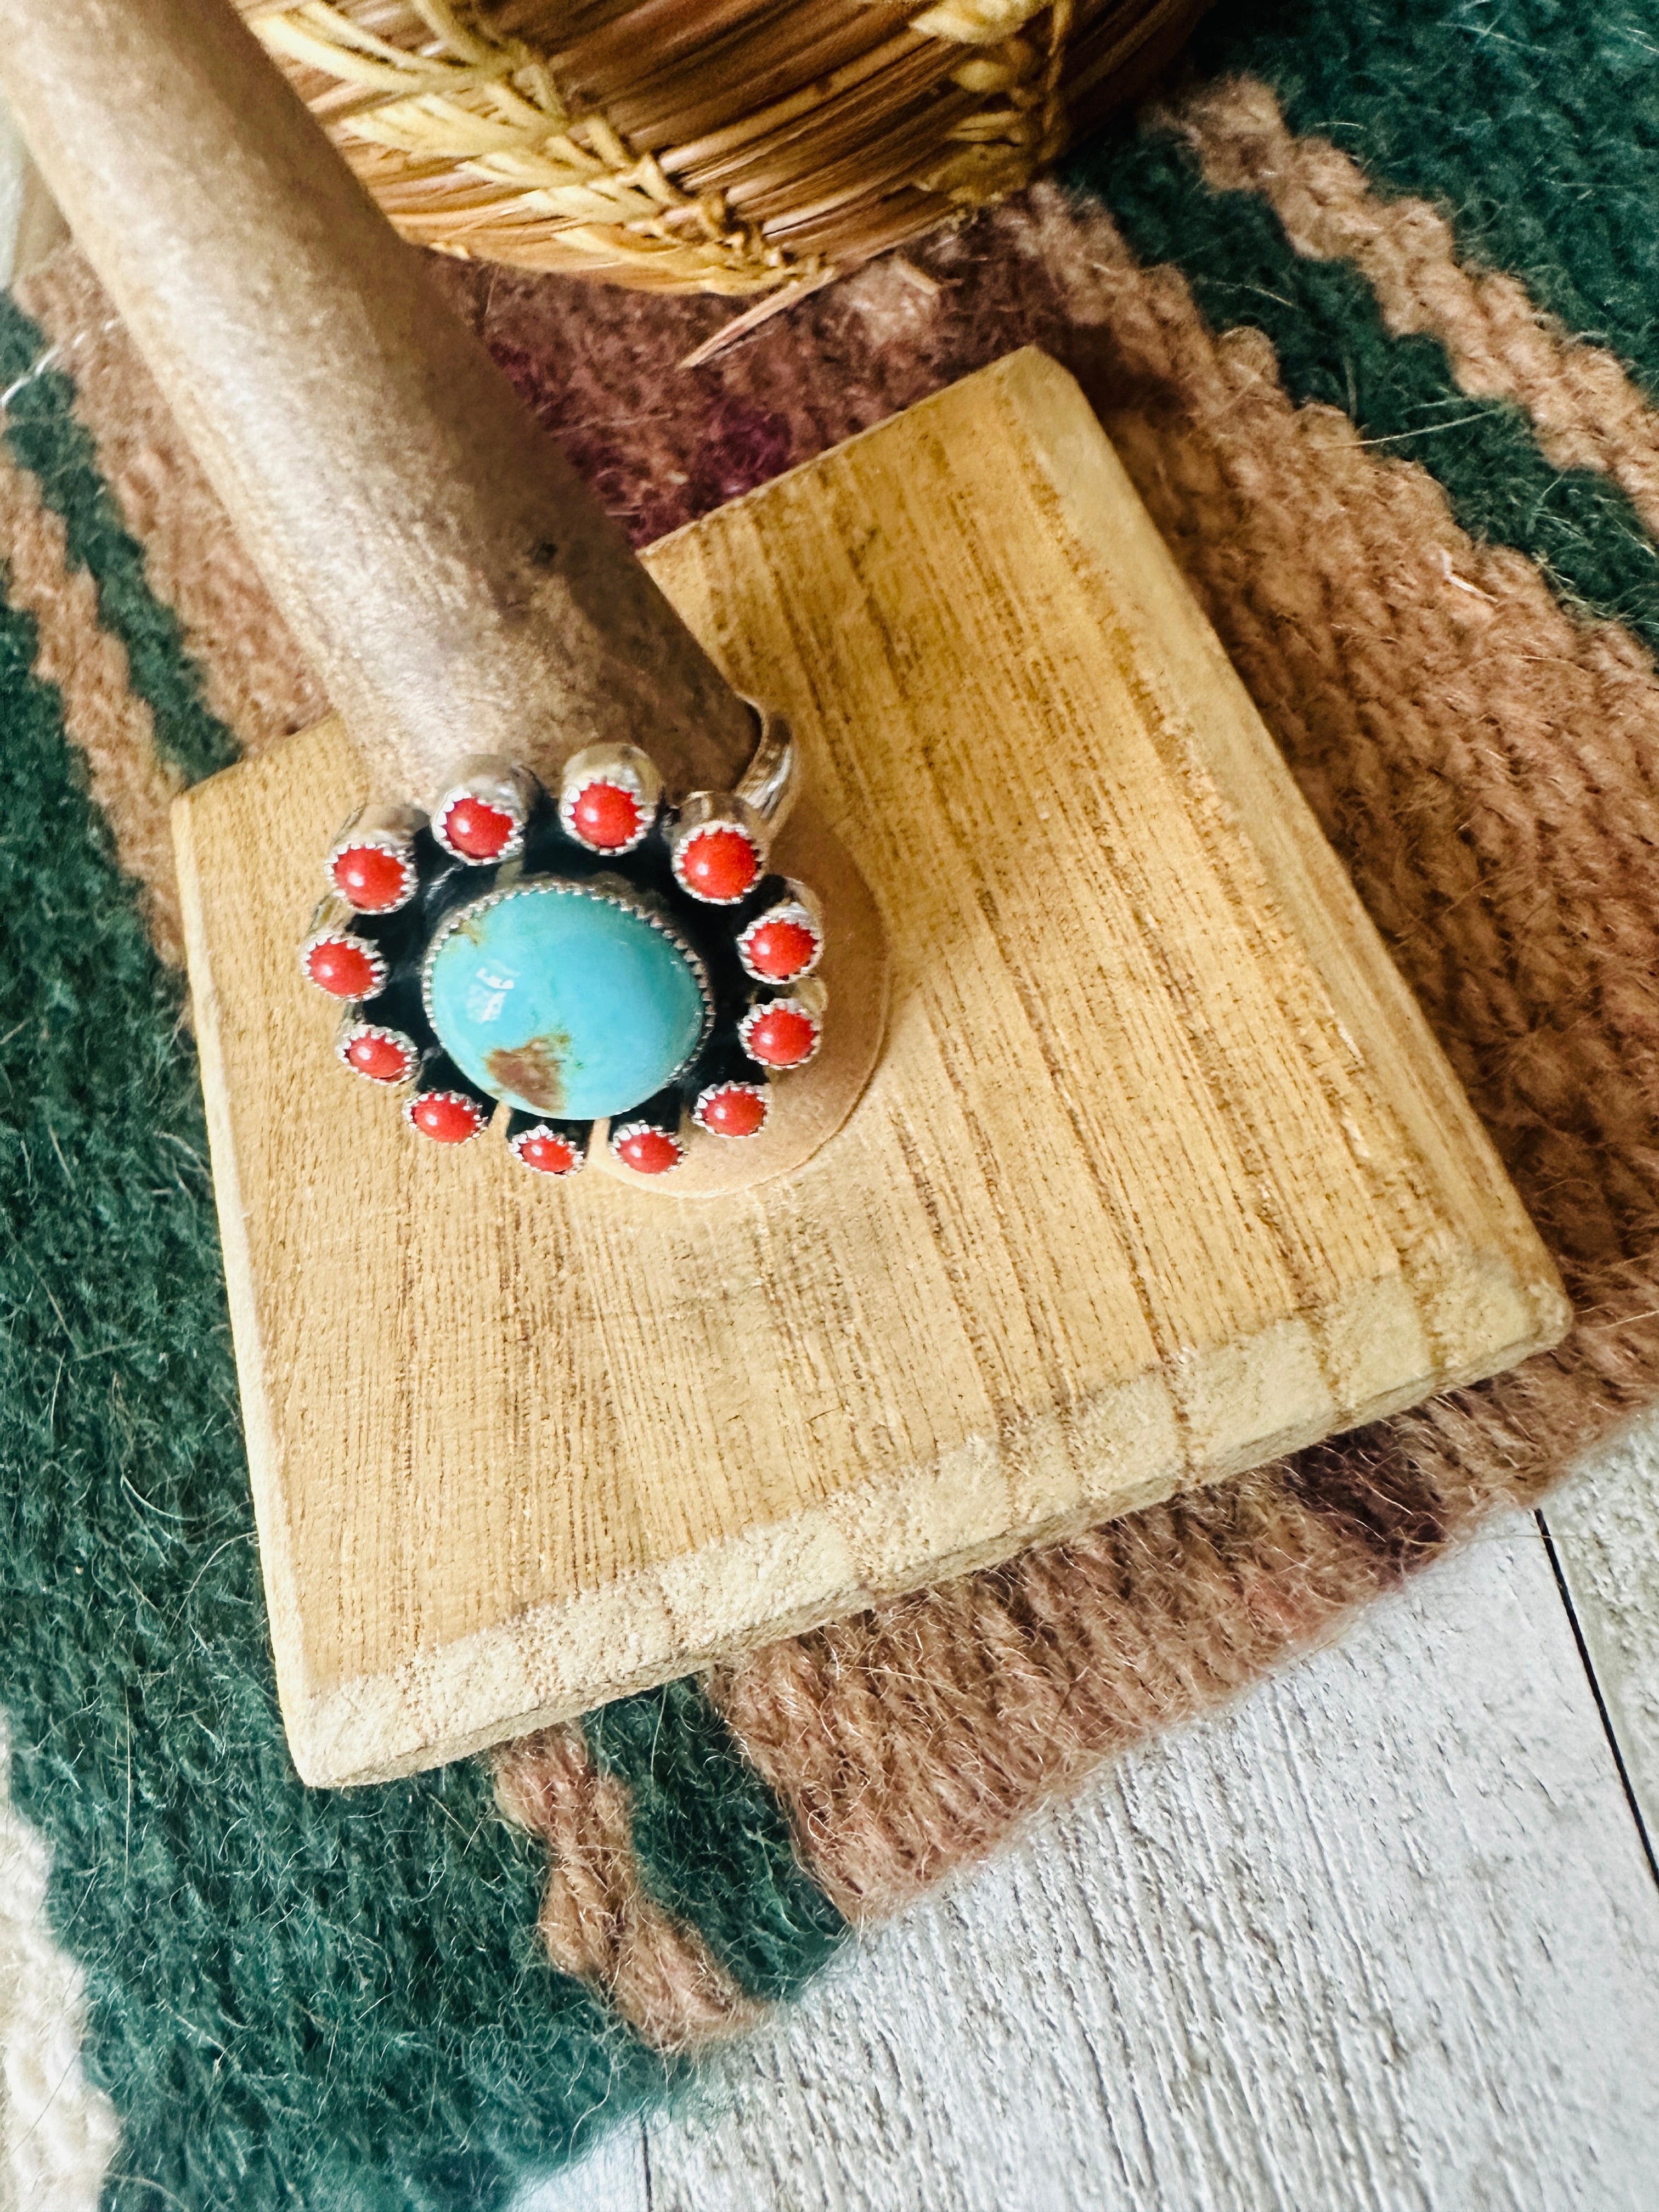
(1383, 1939)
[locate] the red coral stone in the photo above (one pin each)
(719, 865)
(781, 1037)
(649, 1151)
(479, 831)
(380, 1058)
(446, 1116)
(734, 1110)
(780, 950)
(373, 878)
(606, 815)
(343, 968)
(546, 1153)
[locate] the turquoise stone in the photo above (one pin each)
(563, 999)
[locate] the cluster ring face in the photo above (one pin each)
(589, 955)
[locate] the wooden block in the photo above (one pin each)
(1161, 1173)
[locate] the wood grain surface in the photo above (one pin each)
(1382, 1940)
(1161, 1174)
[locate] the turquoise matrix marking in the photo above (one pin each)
(565, 999)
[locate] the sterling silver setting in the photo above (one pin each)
(620, 769)
(605, 829)
(351, 1031)
(797, 910)
(486, 780)
(388, 831)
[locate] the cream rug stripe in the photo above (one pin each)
(57, 2135)
(1587, 412)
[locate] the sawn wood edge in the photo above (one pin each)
(896, 1533)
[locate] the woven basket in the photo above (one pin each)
(731, 146)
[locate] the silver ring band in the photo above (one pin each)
(771, 782)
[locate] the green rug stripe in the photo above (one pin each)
(298, 1998)
(713, 1842)
(1532, 124)
(1332, 345)
(45, 437)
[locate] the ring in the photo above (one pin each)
(606, 965)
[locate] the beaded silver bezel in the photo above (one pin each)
(608, 890)
(795, 908)
(350, 1031)
(379, 841)
(579, 1151)
(330, 936)
(416, 1097)
(736, 1082)
(620, 1132)
(629, 769)
(812, 1008)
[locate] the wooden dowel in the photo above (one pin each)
(456, 584)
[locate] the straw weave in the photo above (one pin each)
(727, 146)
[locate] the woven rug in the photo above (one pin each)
(1370, 306)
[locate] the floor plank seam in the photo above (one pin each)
(1625, 1783)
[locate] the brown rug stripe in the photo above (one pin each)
(110, 727)
(255, 681)
(1489, 769)
(596, 1920)
(1588, 413)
